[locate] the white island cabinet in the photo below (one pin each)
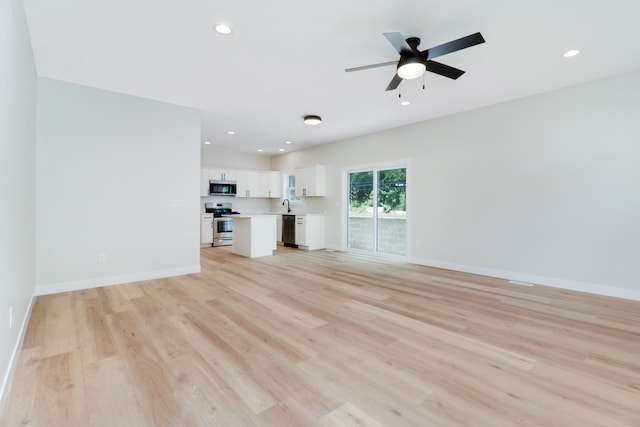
(254, 235)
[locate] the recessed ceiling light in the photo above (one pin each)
(570, 53)
(231, 132)
(312, 120)
(207, 142)
(405, 103)
(223, 29)
(287, 142)
(282, 149)
(259, 150)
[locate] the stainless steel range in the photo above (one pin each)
(222, 223)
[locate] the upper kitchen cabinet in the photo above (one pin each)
(248, 184)
(311, 181)
(204, 182)
(270, 185)
(216, 174)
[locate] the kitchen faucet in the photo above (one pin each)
(288, 205)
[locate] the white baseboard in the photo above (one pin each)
(53, 288)
(592, 288)
(6, 381)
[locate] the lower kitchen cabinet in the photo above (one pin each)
(310, 231)
(279, 229)
(206, 230)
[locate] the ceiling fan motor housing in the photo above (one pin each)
(411, 65)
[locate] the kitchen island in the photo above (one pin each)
(254, 235)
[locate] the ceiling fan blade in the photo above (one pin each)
(366, 67)
(398, 42)
(452, 46)
(395, 82)
(444, 70)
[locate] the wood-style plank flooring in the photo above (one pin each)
(327, 339)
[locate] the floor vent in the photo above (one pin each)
(515, 282)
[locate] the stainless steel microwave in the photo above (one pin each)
(222, 188)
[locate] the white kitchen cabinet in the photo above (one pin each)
(310, 231)
(204, 182)
(269, 184)
(248, 183)
(311, 181)
(206, 230)
(218, 174)
(279, 229)
(301, 230)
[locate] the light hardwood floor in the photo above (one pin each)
(327, 339)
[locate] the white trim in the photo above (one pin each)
(8, 376)
(53, 288)
(592, 288)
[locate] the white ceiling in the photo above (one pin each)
(286, 58)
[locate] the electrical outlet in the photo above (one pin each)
(10, 317)
(102, 258)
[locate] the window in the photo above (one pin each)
(289, 190)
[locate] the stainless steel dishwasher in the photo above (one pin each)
(289, 231)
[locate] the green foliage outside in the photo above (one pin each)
(392, 191)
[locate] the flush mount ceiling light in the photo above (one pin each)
(223, 29)
(287, 142)
(231, 132)
(282, 149)
(259, 150)
(570, 53)
(312, 120)
(207, 142)
(405, 103)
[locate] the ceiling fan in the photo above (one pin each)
(413, 63)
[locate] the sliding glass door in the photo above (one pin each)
(377, 210)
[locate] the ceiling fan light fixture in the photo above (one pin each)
(411, 70)
(312, 120)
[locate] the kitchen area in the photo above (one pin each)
(246, 210)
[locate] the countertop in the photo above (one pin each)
(293, 213)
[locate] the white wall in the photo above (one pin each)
(109, 168)
(17, 179)
(215, 157)
(544, 188)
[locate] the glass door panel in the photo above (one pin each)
(391, 212)
(361, 222)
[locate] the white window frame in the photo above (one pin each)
(294, 200)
